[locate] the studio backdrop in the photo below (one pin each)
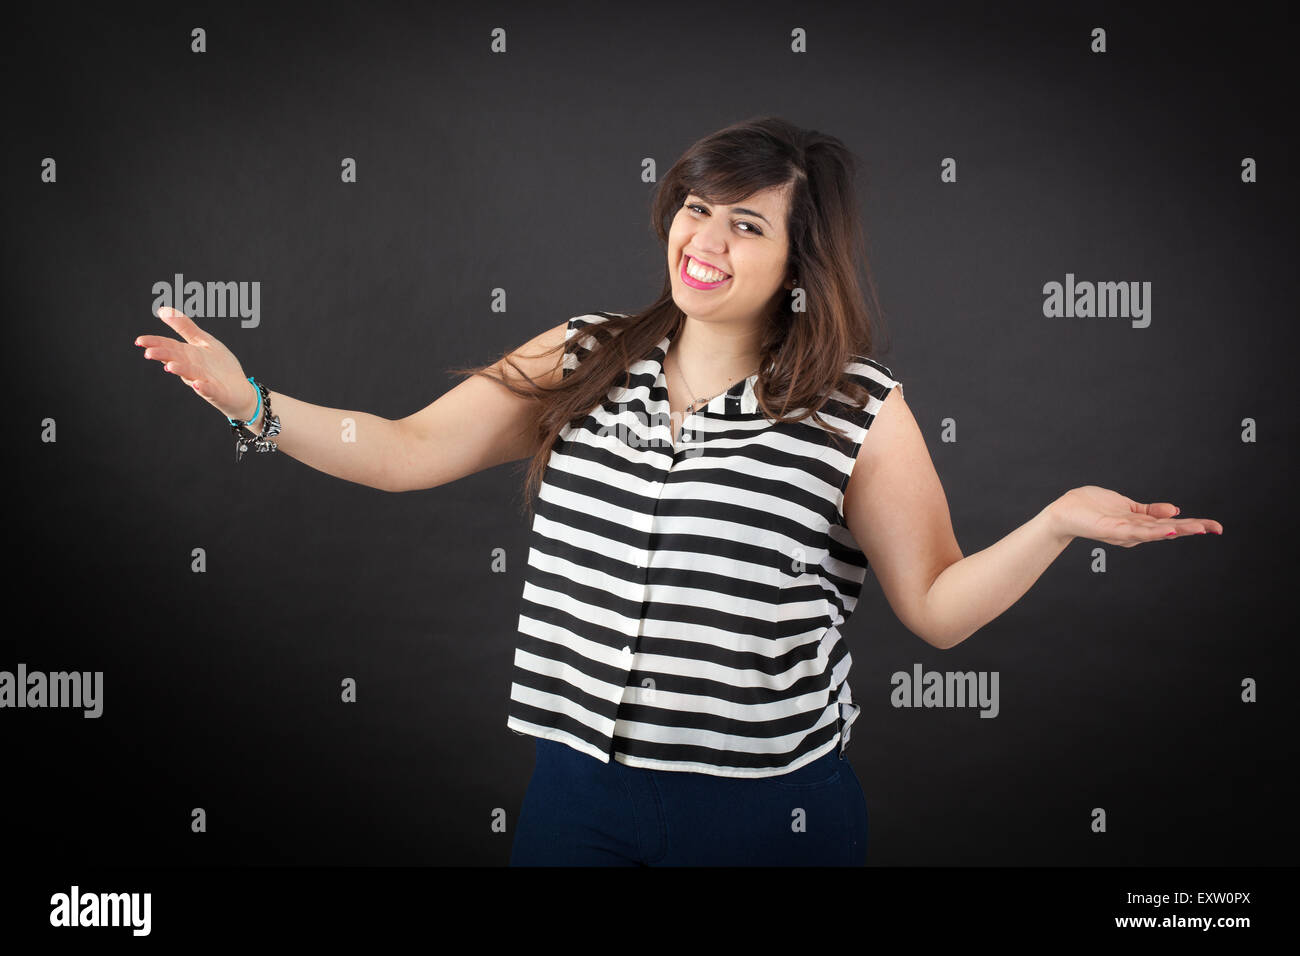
(1081, 224)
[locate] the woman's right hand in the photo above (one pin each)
(202, 363)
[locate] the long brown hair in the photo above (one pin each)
(808, 349)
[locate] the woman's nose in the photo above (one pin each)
(710, 237)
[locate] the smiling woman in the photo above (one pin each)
(709, 480)
(691, 570)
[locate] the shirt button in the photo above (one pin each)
(627, 651)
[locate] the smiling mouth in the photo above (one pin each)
(698, 283)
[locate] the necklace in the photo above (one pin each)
(697, 401)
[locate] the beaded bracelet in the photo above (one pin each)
(244, 437)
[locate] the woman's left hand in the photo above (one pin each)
(1107, 516)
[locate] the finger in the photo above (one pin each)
(167, 352)
(181, 324)
(145, 341)
(1157, 509)
(1188, 526)
(1147, 529)
(180, 367)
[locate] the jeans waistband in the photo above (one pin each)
(816, 769)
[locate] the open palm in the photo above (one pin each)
(1107, 516)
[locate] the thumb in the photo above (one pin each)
(181, 323)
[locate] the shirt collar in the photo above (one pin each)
(739, 399)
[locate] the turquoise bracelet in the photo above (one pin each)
(259, 406)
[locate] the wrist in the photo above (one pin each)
(253, 405)
(1054, 522)
(258, 429)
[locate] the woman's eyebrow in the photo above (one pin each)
(740, 209)
(751, 212)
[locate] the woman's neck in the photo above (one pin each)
(712, 356)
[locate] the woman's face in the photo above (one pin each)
(746, 240)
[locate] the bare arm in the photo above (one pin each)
(897, 510)
(475, 425)
(898, 513)
(354, 446)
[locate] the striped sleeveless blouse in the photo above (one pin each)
(682, 607)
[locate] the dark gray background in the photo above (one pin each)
(522, 171)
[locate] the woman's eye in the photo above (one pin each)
(752, 228)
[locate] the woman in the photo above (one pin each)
(706, 507)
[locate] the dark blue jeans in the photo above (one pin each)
(579, 811)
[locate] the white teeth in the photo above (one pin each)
(697, 271)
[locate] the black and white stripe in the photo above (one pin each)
(682, 608)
